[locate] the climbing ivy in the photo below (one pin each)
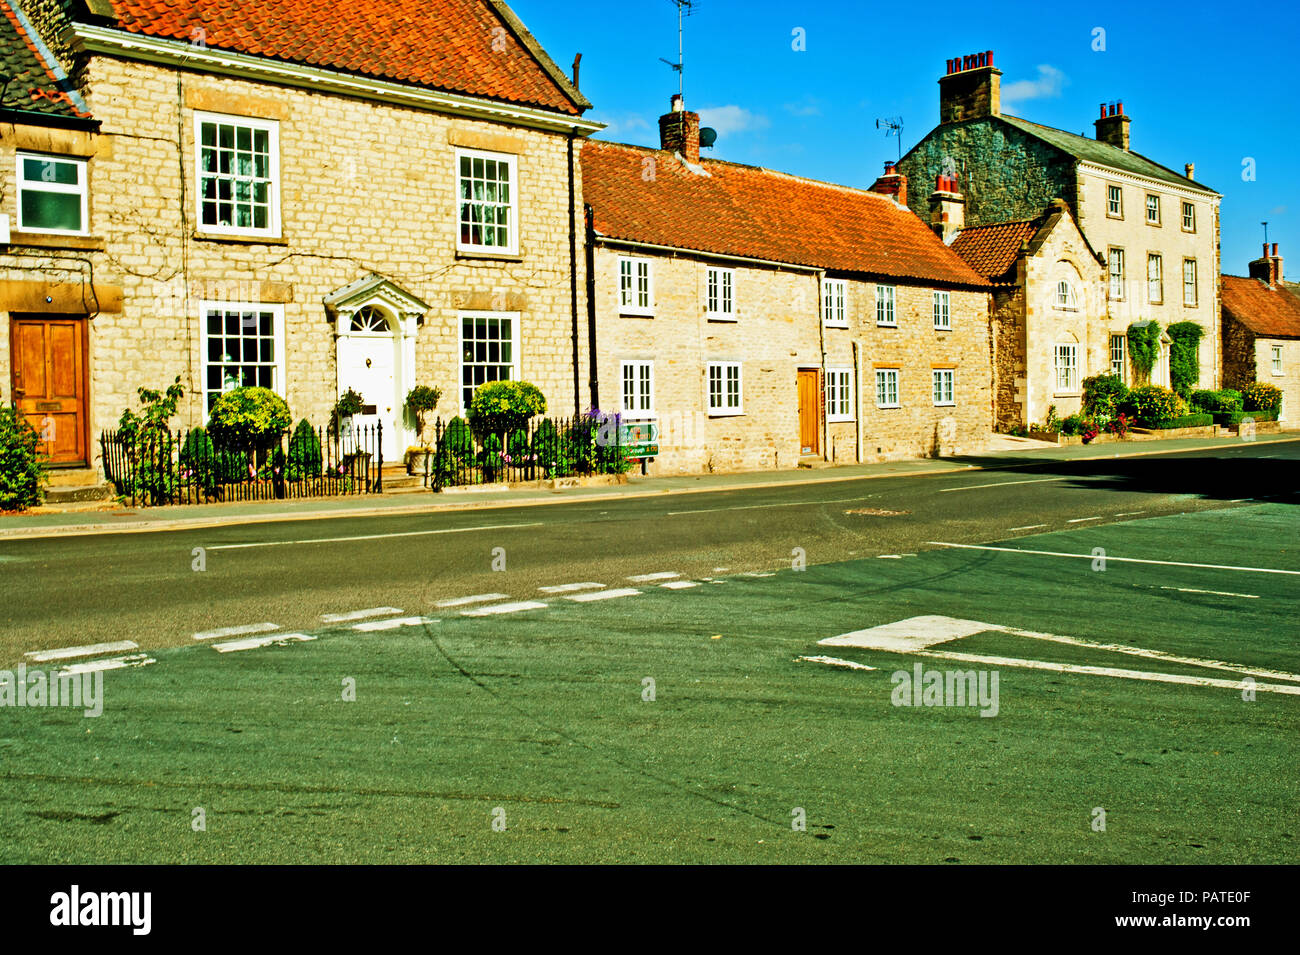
(1144, 347)
(1184, 365)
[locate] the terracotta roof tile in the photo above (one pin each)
(991, 250)
(461, 46)
(649, 196)
(1268, 312)
(28, 81)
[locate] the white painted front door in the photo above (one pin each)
(367, 360)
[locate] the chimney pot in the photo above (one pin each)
(988, 56)
(1266, 250)
(1103, 110)
(1119, 108)
(1275, 250)
(1189, 169)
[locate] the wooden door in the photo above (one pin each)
(49, 383)
(810, 406)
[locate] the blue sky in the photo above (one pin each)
(1209, 83)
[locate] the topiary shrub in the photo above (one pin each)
(251, 418)
(1259, 396)
(1102, 394)
(1223, 401)
(499, 407)
(1144, 347)
(349, 404)
(420, 400)
(305, 459)
(1184, 361)
(22, 468)
(1152, 404)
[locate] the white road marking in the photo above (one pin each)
(1121, 560)
(504, 608)
(252, 643)
(837, 662)
(236, 631)
(375, 626)
(889, 557)
(1029, 527)
(358, 614)
(758, 573)
(1217, 593)
(569, 588)
(978, 487)
(376, 537)
(476, 599)
(755, 507)
(70, 653)
(680, 584)
(1130, 514)
(908, 636)
(647, 578)
(117, 663)
(1081, 520)
(721, 570)
(604, 595)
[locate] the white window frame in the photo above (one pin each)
(724, 296)
(1158, 278)
(628, 296)
(943, 311)
(938, 378)
(271, 126)
(1152, 207)
(277, 363)
(1064, 298)
(512, 228)
(643, 386)
(513, 364)
(1189, 216)
(835, 303)
(1069, 385)
(887, 306)
(1275, 359)
(839, 393)
(1193, 286)
(1114, 200)
(1119, 357)
(82, 189)
(1113, 255)
(724, 369)
(884, 376)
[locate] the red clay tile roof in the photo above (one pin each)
(991, 250)
(1268, 312)
(461, 46)
(760, 214)
(27, 79)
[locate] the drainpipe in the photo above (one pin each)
(573, 276)
(857, 407)
(590, 215)
(821, 342)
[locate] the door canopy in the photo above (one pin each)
(374, 292)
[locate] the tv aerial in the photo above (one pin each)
(893, 126)
(684, 9)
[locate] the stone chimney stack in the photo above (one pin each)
(1112, 128)
(971, 89)
(947, 208)
(892, 183)
(1268, 268)
(1189, 170)
(679, 131)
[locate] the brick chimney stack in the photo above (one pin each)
(1112, 128)
(679, 131)
(971, 89)
(1268, 268)
(947, 208)
(892, 183)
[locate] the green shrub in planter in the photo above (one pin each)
(1102, 394)
(1223, 401)
(1259, 396)
(421, 400)
(248, 418)
(499, 407)
(1074, 425)
(305, 457)
(22, 469)
(1152, 404)
(1185, 421)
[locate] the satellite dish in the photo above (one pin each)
(708, 136)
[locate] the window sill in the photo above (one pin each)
(1189, 231)
(726, 414)
(1154, 225)
(888, 407)
(724, 319)
(1067, 394)
(886, 324)
(835, 324)
(630, 314)
(52, 240)
(945, 404)
(487, 256)
(236, 239)
(1111, 215)
(943, 328)
(838, 420)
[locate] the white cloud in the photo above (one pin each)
(728, 120)
(1049, 84)
(808, 106)
(623, 125)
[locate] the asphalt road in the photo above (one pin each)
(159, 589)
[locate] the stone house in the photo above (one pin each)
(386, 196)
(760, 319)
(1049, 322)
(1261, 332)
(1156, 230)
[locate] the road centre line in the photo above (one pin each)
(570, 588)
(1119, 560)
(1083, 520)
(358, 615)
(253, 643)
(504, 608)
(1217, 593)
(374, 626)
(680, 584)
(68, 653)
(1029, 527)
(603, 595)
(752, 507)
(978, 487)
(376, 537)
(236, 631)
(116, 663)
(476, 599)
(647, 578)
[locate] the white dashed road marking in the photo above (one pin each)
(977, 487)
(252, 643)
(375, 626)
(376, 537)
(359, 614)
(1029, 527)
(1118, 560)
(476, 599)
(1217, 593)
(1082, 520)
(604, 594)
(504, 608)
(71, 653)
(569, 588)
(117, 663)
(679, 584)
(647, 578)
(236, 631)
(837, 662)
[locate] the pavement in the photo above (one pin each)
(1005, 453)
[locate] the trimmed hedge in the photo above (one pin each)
(22, 468)
(1152, 404)
(1223, 401)
(1232, 419)
(1260, 396)
(1184, 421)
